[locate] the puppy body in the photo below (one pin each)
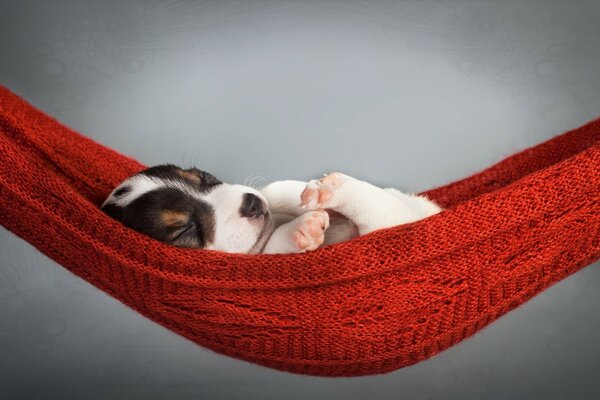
(192, 208)
(352, 207)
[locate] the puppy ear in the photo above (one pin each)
(113, 211)
(199, 177)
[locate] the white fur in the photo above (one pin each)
(140, 184)
(363, 208)
(233, 232)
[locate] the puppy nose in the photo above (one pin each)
(252, 206)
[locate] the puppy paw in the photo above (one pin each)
(310, 231)
(320, 193)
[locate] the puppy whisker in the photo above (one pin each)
(252, 180)
(256, 182)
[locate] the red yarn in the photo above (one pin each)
(371, 305)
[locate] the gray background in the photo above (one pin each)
(411, 94)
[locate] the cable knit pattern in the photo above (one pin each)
(371, 305)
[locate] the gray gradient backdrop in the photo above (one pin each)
(412, 94)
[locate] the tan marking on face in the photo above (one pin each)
(174, 218)
(190, 176)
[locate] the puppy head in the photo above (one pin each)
(192, 208)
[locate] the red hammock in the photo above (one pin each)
(377, 303)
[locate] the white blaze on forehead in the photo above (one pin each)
(138, 186)
(141, 184)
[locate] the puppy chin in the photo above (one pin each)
(264, 235)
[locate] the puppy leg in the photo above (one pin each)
(284, 200)
(284, 197)
(367, 206)
(304, 233)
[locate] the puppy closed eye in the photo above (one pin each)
(178, 233)
(188, 236)
(182, 229)
(189, 229)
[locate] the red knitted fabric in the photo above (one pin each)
(377, 303)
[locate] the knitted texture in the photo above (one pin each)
(371, 305)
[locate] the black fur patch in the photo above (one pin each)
(114, 211)
(170, 214)
(201, 180)
(146, 214)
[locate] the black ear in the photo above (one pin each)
(203, 178)
(113, 211)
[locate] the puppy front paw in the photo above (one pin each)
(320, 193)
(310, 231)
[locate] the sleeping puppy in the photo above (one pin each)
(192, 208)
